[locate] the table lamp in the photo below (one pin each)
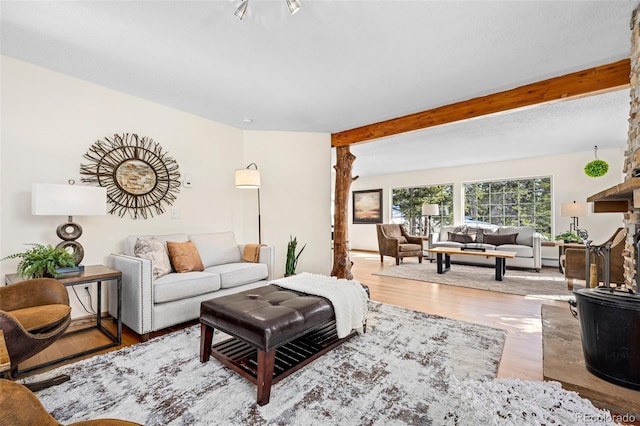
(69, 200)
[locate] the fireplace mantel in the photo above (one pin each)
(615, 199)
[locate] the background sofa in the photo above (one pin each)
(150, 304)
(526, 243)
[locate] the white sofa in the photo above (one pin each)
(528, 244)
(150, 304)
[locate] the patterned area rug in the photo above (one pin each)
(409, 368)
(548, 283)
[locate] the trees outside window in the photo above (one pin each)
(513, 202)
(407, 207)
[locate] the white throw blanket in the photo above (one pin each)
(348, 298)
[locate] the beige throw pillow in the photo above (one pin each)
(184, 257)
(154, 251)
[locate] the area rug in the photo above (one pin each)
(548, 283)
(409, 368)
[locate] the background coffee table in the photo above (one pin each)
(446, 252)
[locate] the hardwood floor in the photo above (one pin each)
(518, 315)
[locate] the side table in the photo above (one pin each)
(91, 274)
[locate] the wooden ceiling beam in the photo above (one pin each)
(600, 79)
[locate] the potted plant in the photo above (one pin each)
(292, 257)
(569, 237)
(42, 261)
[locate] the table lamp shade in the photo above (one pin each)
(68, 200)
(430, 209)
(575, 209)
(247, 178)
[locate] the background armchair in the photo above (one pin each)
(395, 242)
(575, 261)
(33, 315)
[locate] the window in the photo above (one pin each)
(407, 207)
(514, 202)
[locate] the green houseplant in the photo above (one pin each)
(292, 257)
(569, 237)
(42, 261)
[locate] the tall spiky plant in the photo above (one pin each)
(292, 257)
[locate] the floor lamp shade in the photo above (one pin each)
(430, 209)
(247, 178)
(68, 200)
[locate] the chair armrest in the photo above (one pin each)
(537, 250)
(267, 256)
(35, 292)
(137, 292)
(414, 239)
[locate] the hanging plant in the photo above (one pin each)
(596, 168)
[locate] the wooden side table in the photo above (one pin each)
(91, 274)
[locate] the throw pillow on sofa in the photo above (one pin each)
(498, 240)
(154, 251)
(184, 257)
(460, 237)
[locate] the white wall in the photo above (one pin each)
(49, 120)
(568, 181)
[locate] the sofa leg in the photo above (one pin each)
(144, 337)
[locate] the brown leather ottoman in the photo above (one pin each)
(275, 332)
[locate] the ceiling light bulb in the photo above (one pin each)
(242, 10)
(293, 6)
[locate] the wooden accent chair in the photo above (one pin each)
(394, 241)
(33, 315)
(20, 407)
(575, 261)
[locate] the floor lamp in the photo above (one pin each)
(430, 210)
(249, 178)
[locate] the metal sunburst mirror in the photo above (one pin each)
(138, 175)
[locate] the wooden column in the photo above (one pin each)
(341, 262)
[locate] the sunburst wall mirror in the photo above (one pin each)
(139, 176)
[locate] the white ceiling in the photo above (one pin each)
(336, 65)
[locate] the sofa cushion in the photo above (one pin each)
(521, 250)
(447, 244)
(410, 247)
(217, 248)
(500, 239)
(181, 286)
(184, 256)
(131, 241)
(156, 252)
(483, 246)
(235, 274)
(525, 234)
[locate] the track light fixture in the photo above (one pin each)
(241, 11)
(293, 6)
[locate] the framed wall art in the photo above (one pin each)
(367, 206)
(139, 176)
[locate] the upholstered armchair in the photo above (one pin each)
(575, 260)
(20, 407)
(33, 315)
(395, 242)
